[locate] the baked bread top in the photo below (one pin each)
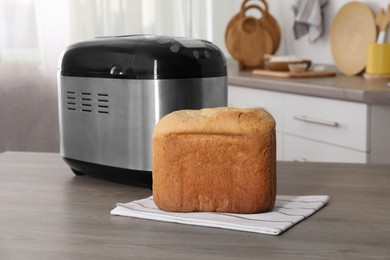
(222, 120)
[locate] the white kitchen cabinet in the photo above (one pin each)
(299, 149)
(340, 123)
(318, 129)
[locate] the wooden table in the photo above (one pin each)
(48, 213)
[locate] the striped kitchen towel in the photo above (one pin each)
(288, 211)
(308, 18)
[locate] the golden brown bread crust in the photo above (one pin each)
(220, 159)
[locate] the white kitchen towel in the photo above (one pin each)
(308, 18)
(288, 211)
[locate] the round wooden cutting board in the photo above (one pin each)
(247, 40)
(267, 21)
(353, 28)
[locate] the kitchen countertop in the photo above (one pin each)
(341, 87)
(48, 213)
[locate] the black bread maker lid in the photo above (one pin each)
(143, 57)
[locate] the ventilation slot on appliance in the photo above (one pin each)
(102, 104)
(86, 102)
(71, 100)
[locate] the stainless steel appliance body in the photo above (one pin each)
(108, 111)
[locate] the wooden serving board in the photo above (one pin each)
(353, 28)
(247, 40)
(287, 74)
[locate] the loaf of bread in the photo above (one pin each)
(215, 160)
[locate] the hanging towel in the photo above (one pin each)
(309, 18)
(288, 211)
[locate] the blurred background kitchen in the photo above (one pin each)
(33, 34)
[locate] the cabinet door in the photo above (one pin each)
(335, 122)
(271, 101)
(302, 150)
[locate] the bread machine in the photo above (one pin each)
(113, 90)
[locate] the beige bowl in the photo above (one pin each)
(297, 67)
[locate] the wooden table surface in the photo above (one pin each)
(48, 213)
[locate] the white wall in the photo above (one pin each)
(319, 51)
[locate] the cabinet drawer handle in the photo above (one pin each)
(316, 121)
